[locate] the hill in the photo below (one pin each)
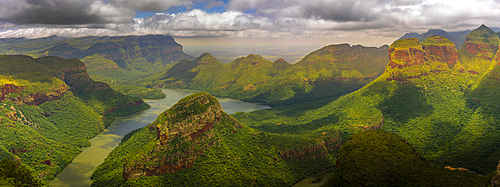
(195, 143)
(117, 60)
(441, 99)
(50, 108)
(326, 73)
(379, 158)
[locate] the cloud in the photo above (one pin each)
(244, 18)
(82, 11)
(63, 12)
(151, 5)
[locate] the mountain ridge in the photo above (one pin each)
(337, 69)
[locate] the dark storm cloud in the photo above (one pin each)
(80, 11)
(343, 11)
(62, 12)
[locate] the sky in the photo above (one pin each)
(246, 22)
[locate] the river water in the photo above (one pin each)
(78, 173)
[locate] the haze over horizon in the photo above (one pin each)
(243, 22)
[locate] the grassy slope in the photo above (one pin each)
(247, 157)
(436, 112)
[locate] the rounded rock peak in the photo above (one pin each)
(437, 40)
(406, 43)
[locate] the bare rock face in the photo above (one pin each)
(183, 132)
(405, 53)
(482, 42)
(32, 98)
(496, 176)
(440, 49)
(474, 48)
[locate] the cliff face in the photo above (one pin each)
(474, 48)
(79, 79)
(32, 98)
(410, 56)
(135, 47)
(482, 41)
(440, 49)
(436, 54)
(410, 52)
(183, 133)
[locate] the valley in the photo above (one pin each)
(84, 119)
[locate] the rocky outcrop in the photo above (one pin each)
(79, 79)
(183, 133)
(36, 98)
(474, 48)
(482, 41)
(495, 181)
(404, 57)
(10, 88)
(440, 53)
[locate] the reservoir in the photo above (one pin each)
(78, 173)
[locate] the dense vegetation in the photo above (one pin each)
(240, 157)
(379, 158)
(53, 110)
(326, 73)
(448, 113)
(13, 174)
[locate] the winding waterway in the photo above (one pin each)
(78, 173)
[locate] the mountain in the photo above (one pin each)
(379, 158)
(441, 99)
(50, 108)
(458, 38)
(326, 73)
(195, 143)
(116, 60)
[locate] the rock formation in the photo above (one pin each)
(407, 52)
(32, 98)
(440, 49)
(483, 41)
(183, 132)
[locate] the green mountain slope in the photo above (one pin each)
(50, 108)
(326, 73)
(440, 99)
(194, 143)
(379, 158)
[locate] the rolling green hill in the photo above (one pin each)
(326, 73)
(440, 99)
(195, 143)
(50, 108)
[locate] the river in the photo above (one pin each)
(78, 173)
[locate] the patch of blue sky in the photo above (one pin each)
(209, 7)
